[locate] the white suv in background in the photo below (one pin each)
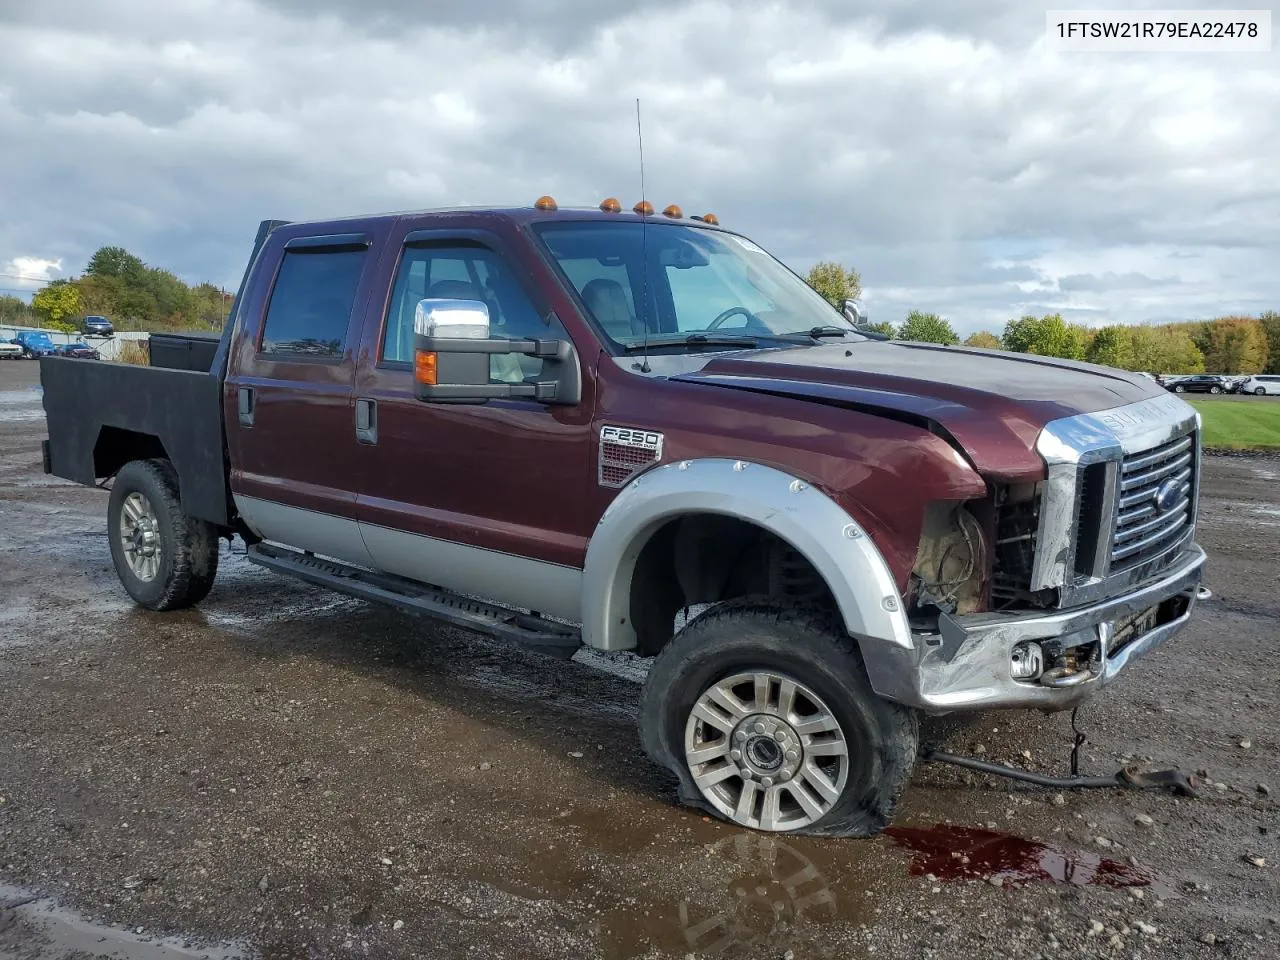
(1261, 383)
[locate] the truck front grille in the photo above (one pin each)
(1156, 490)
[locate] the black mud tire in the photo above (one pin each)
(188, 547)
(813, 648)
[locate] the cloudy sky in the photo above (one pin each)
(936, 145)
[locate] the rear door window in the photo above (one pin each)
(310, 308)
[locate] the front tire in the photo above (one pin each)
(765, 715)
(1215, 389)
(1179, 389)
(165, 559)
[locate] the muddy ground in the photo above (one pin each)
(286, 773)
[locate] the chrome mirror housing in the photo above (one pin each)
(451, 319)
(854, 311)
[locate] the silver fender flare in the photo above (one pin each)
(837, 546)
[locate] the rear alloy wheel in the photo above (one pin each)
(1179, 389)
(165, 559)
(1215, 389)
(1259, 391)
(766, 717)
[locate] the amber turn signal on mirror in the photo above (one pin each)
(424, 367)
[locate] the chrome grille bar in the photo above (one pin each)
(1143, 527)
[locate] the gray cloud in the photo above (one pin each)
(935, 145)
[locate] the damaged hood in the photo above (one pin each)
(990, 404)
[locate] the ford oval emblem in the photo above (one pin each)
(1168, 494)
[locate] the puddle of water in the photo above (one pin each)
(773, 890)
(28, 921)
(965, 853)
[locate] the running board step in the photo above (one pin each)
(529, 630)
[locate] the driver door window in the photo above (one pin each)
(463, 273)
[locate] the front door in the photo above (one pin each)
(287, 397)
(478, 498)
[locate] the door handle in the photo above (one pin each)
(366, 420)
(244, 400)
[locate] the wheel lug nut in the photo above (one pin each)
(766, 782)
(740, 736)
(780, 736)
(793, 755)
(735, 754)
(759, 728)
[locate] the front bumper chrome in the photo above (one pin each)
(966, 664)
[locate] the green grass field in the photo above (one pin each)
(1239, 423)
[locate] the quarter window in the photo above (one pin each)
(310, 308)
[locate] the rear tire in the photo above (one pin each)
(1179, 389)
(165, 559)
(1215, 389)
(832, 763)
(1259, 391)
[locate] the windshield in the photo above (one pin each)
(702, 284)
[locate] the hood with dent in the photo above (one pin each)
(990, 404)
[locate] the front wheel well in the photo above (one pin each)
(699, 559)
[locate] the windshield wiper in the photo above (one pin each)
(822, 332)
(693, 340)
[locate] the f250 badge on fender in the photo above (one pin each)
(624, 452)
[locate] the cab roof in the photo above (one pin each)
(537, 213)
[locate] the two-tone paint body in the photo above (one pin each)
(839, 449)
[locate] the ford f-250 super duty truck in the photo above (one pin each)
(642, 432)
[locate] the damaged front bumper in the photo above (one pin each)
(970, 662)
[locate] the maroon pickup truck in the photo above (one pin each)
(642, 432)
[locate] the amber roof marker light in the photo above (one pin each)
(611, 205)
(546, 203)
(673, 211)
(710, 218)
(644, 208)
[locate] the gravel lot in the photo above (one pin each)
(286, 773)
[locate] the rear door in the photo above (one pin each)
(287, 396)
(487, 498)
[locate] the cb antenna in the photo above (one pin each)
(644, 251)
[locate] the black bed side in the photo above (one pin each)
(102, 415)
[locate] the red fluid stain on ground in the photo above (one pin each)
(964, 853)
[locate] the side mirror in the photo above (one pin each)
(854, 311)
(452, 347)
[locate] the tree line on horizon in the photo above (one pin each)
(135, 296)
(1228, 345)
(118, 285)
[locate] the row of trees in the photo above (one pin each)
(1232, 344)
(118, 285)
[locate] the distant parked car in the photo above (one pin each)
(79, 349)
(9, 350)
(97, 326)
(1200, 383)
(35, 344)
(1260, 384)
